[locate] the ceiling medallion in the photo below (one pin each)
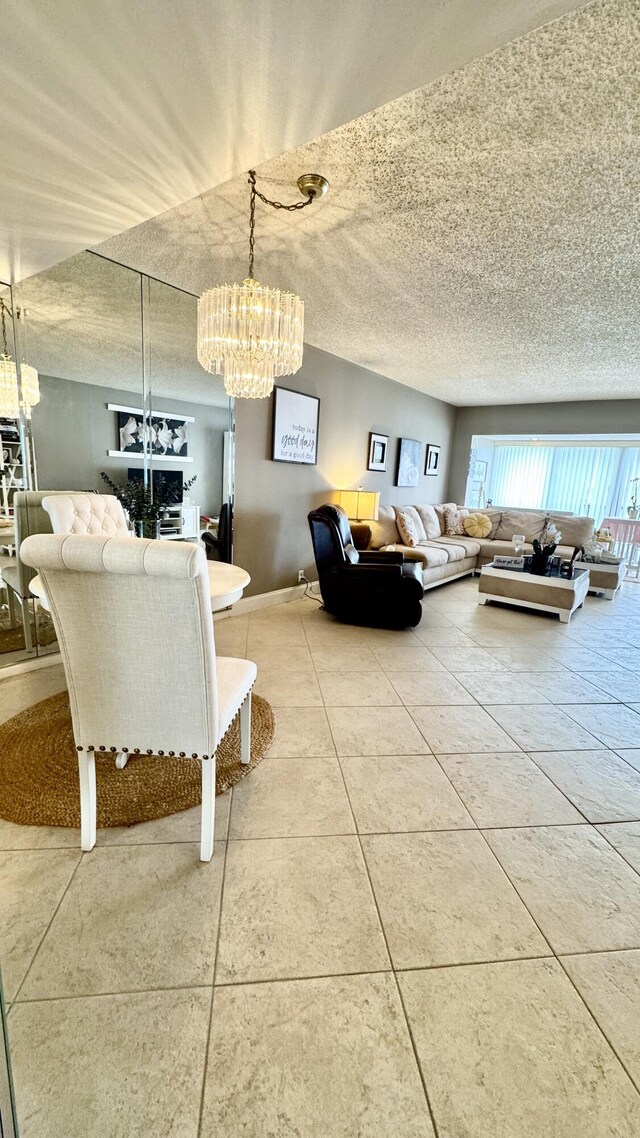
(251, 333)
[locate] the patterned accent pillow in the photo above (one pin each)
(477, 525)
(454, 521)
(410, 526)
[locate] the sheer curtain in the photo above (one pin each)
(588, 480)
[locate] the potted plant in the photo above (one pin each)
(543, 548)
(144, 507)
(632, 510)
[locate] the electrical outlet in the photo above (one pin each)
(301, 577)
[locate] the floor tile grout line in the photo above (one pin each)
(81, 857)
(391, 962)
(635, 868)
(213, 980)
(635, 1084)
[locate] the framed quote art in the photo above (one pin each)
(295, 427)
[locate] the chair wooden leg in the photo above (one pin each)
(26, 624)
(245, 730)
(88, 806)
(11, 605)
(208, 808)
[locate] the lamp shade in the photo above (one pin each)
(360, 504)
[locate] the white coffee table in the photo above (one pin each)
(527, 590)
(226, 585)
(604, 578)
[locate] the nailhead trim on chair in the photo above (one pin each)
(172, 754)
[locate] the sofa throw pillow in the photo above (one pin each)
(430, 521)
(410, 526)
(477, 525)
(384, 531)
(454, 521)
(495, 517)
(440, 513)
(529, 522)
(576, 531)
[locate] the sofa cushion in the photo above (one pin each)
(455, 547)
(430, 521)
(470, 545)
(384, 531)
(428, 555)
(476, 525)
(575, 531)
(440, 513)
(410, 525)
(454, 521)
(495, 517)
(529, 522)
(490, 549)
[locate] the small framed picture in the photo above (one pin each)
(478, 470)
(295, 427)
(378, 447)
(432, 460)
(409, 462)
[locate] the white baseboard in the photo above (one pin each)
(30, 665)
(241, 608)
(268, 600)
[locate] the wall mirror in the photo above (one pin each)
(121, 394)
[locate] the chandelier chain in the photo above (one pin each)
(267, 201)
(3, 309)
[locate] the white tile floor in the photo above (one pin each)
(422, 917)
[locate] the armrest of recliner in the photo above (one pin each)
(381, 556)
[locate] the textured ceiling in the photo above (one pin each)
(479, 242)
(113, 112)
(84, 324)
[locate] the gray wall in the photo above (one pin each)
(583, 418)
(73, 431)
(271, 533)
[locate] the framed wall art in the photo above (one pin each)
(409, 462)
(295, 427)
(166, 434)
(378, 447)
(432, 461)
(478, 470)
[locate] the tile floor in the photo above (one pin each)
(422, 917)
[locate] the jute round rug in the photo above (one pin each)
(39, 783)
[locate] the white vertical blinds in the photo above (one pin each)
(582, 479)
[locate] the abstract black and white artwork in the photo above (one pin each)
(409, 462)
(432, 460)
(167, 435)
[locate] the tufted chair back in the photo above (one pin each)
(124, 610)
(86, 513)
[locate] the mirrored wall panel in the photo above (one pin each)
(191, 425)
(124, 408)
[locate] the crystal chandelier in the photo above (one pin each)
(9, 389)
(251, 333)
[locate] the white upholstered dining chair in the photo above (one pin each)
(86, 513)
(133, 620)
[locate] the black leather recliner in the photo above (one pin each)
(375, 588)
(221, 543)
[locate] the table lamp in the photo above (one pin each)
(360, 505)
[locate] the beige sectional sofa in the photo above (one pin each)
(444, 558)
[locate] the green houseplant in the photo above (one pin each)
(144, 508)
